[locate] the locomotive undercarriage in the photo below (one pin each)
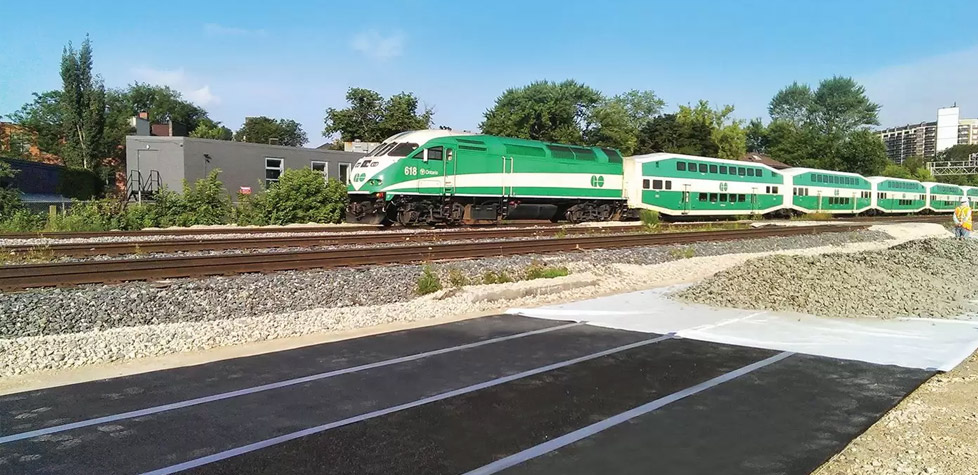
(409, 210)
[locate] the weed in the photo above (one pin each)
(493, 277)
(821, 216)
(650, 218)
(428, 282)
(682, 253)
(561, 233)
(538, 270)
(457, 278)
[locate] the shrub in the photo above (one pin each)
(80, 184)
(540, 271)
(683, 253)
(9, 196)
(100, 215)
(22, 220)
(456, 278)
(649, 217)
(300, 196)
(205, 202)
(428, 282)
(492, 277)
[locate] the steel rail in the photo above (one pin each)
(17, 277)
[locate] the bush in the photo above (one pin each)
(540, 271)
(300, 196)
(22, 220)
(101, 215)
(649, 217)
(492, 277)
(428, 282)
(684, 253)
(456, 278)
(80, 184)
(206, 202)
(9, 196)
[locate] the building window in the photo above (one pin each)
(273, 170)
(345, 172)
(320, 167)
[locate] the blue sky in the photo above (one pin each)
(296, 58)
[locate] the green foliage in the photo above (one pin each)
(209, 129)
(161, 104)
(99, 215)
(958, 152)
(371, 118)
(616, 122)
(206, 202)
(21, 220)
(42, 116)
(82, 108)
(9, 196)
(456, 278)
(544, 110)
(80, 183)
(756, 136)
(682, 253)
(428, 282)
(493, 277)
(300, 196)
(538, 270)
(824, 128)
(913, 168)
(649, 217)
(726, 133)
(814, 217)
(267, 130)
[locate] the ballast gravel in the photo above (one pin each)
(287, 314)
(100, 307)
(930, 278)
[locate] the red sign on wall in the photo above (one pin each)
(245, 190)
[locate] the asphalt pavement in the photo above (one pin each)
(496, 394)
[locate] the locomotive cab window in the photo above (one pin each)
(402, 149)
(433, 153)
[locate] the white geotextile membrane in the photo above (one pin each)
(909, 342)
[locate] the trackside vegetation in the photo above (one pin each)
(300, 196)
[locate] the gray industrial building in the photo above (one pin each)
(152, 162)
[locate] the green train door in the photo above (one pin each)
(686, 203)
(450, 166)
(431, 171)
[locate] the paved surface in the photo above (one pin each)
(504, 393)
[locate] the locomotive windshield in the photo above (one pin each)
(393, 149)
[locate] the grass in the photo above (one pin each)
(493, 277)
(428, 282)
(650, 219)
(537, 270)
(35, 254)
(561, 233)
(682, 253)
(456, 278)
(813, 217)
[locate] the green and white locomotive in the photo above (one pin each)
(441, 176)
(436, 176)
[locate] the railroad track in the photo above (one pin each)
(84, 249)
(25, 276)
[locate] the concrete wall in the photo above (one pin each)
(241, 164)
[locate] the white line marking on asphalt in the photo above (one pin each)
(612, 421)
(382, 412)
(266, 387)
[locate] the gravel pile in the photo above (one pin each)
(926, 278)
(100, 307)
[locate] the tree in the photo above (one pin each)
(726, 133)
(957, 153)
(864, 153)
(209, 129)
(668, 134)
(161, 104)
(823, 128)
(896, 171)
(544, 110)
(370, 118)
(616, 122)
(43, 116)
(757, 139)
(83, 108)
(267, 130)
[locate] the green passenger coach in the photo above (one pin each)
(898, 195)
(942, 197)
(432, 176)
(822, 191)
(684, 185)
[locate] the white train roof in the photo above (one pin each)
(652, 157)
(799, 170)
(421, 136)
(880, 179)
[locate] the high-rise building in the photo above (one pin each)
(927, 139)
